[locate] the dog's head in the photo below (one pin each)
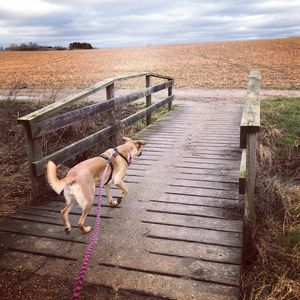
(135, 145)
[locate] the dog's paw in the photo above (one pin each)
(115, 203)
(68, 229)
(87, 229)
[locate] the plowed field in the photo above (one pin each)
(221, 64)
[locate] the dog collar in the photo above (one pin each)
(117, 152)
(129, 161)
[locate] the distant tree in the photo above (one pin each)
(78, 45)
(13, 47)
(1, 48)
(23, 47)
(59, 48)
(32, 47)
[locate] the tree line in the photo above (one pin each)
(36, 47)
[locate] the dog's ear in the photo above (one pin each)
(141, 142)
(126, 139)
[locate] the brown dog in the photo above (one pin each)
(79, 184)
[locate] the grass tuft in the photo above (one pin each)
(273, 268)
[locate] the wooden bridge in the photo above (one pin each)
(179, 234)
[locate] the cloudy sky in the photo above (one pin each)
(117, 23)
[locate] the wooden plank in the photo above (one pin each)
(210, 172)
(56, 106)
(207, 177)
(200, 211)
(193, 222)
(201, 201)
(141, 282)
(43, 216)
(43, 230)
(183, 267)
(214, 185)
(62, 120)
(202, 236)
(42, 245)
(242, 177)
(220, 161)
(204, 165)
(202, 192)
(222, 254)
(217, 163)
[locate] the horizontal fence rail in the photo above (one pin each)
(41, 122)
(250, 125)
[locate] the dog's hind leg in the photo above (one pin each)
(85, 212)
(65, 211)
(85, 198)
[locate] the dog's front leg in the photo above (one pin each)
(110, 199)
(121, 185)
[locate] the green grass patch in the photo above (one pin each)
(284, 114)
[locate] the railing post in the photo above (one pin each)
(170, 91)
(250, 125)
(148, 99)
(250, 179)
(110, 93)
(35, 153)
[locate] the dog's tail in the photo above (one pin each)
(57, 184)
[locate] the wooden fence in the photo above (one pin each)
(250, 125)
(41, 122)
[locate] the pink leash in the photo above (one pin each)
(89, 251)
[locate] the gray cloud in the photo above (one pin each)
(113, 23)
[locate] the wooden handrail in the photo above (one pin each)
(65, 119)
(250, 125)
(56, 106)
(41, 122)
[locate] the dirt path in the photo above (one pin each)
(203, 95)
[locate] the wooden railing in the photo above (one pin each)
(250, 125)
(41, 122)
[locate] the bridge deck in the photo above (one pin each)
(179, 233)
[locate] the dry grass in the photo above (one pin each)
(273, 269)
(221, 64)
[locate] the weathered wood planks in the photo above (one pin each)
(177, 235)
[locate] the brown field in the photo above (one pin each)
(221, 64)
